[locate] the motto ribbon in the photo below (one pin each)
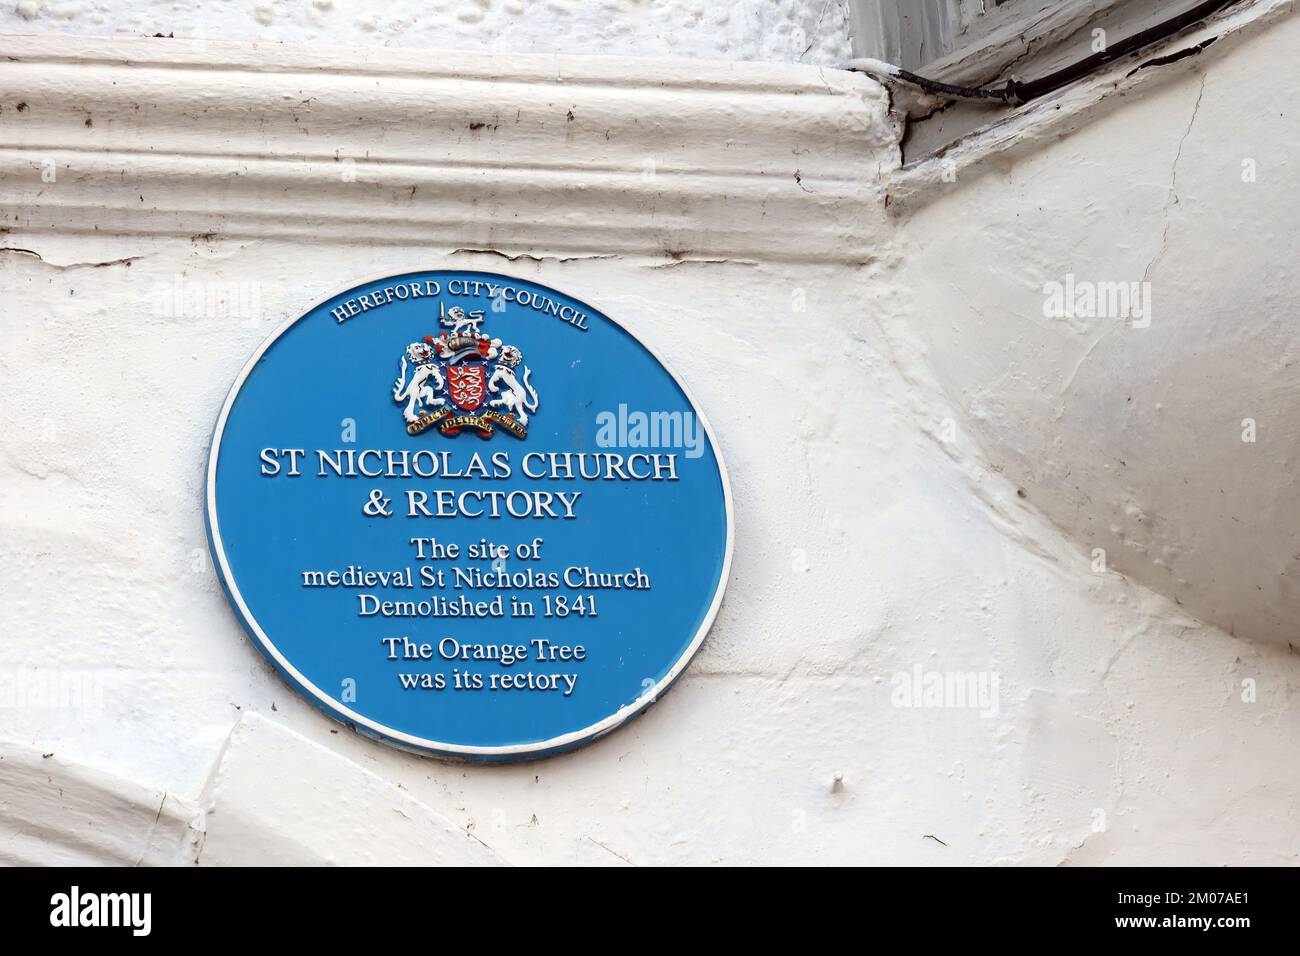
(451, 425)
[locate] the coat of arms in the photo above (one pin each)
(464, 379)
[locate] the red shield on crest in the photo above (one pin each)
(466, 383)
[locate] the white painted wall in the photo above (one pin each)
(880, 528)
(1167, 440)
(784, 31)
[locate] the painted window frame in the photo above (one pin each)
(961, 40)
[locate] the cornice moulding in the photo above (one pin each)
(576, 154)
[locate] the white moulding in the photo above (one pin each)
(324, 809)
(56, 812)
(688, 159)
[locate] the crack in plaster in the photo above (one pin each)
(531, 256)
(63, 266)
(1172, 199)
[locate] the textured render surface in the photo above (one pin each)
(783, 31)
(865, 548)
(881, 536)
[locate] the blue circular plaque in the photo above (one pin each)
(468, 514)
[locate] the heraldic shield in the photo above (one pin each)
(466, 384)
(487, 383)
